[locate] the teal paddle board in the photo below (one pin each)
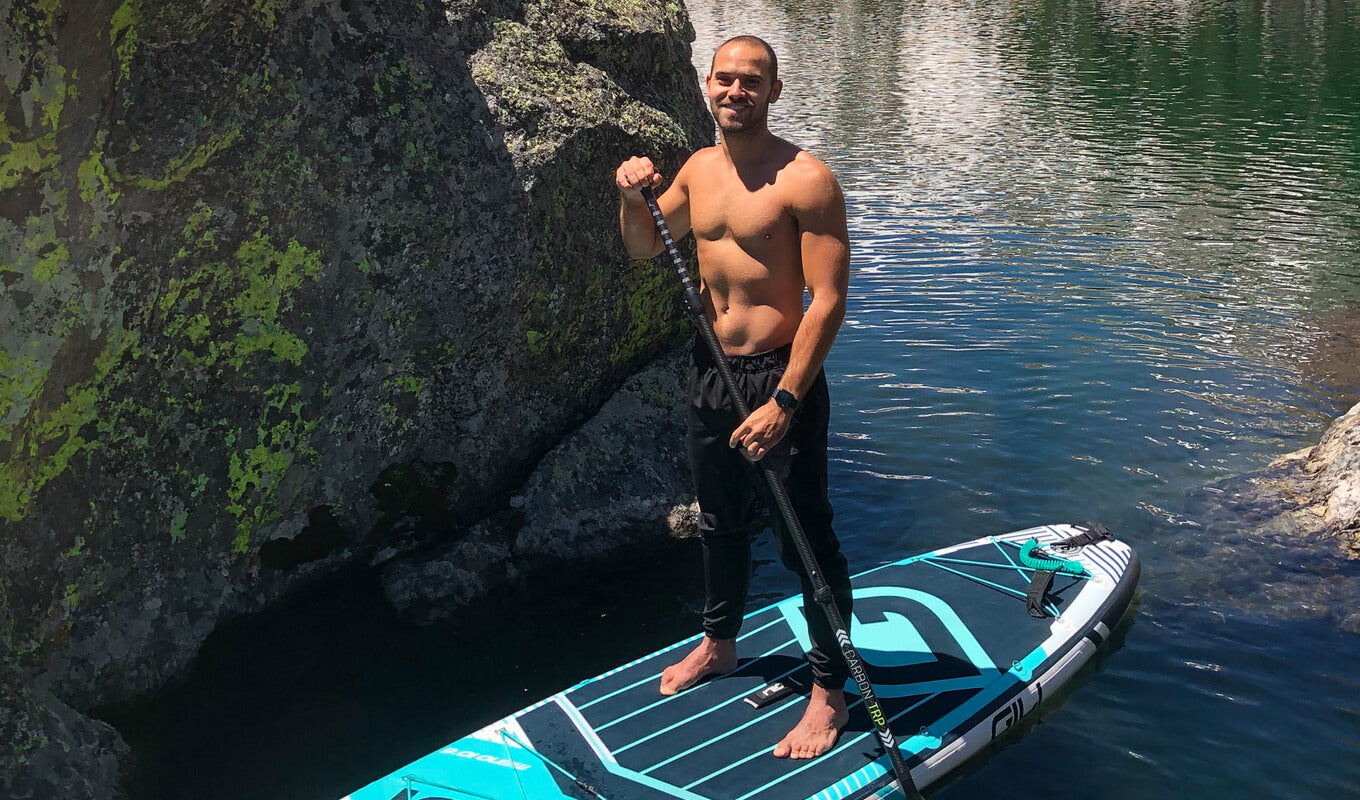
(962, 644)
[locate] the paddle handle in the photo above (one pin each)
(821, 591)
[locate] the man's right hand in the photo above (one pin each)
(633, 175)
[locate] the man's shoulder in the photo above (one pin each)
(805, 168)
(703, 157)
(810, 180)
(698, 162)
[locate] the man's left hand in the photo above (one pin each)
(761, 431)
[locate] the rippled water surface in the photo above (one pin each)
(1105, 253)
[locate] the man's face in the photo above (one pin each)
(740, 88)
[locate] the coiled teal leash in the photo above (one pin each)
(1060, 565)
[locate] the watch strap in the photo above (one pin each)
(785, 400)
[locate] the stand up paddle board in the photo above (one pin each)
(961, 644)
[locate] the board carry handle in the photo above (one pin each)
(821, 591)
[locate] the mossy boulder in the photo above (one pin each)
(276, 276)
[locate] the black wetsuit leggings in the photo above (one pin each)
(727, 485)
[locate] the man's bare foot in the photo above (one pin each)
(816, 732)
(712, 656)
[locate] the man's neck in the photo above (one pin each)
(746, 147)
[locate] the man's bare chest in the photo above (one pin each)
(756, 220)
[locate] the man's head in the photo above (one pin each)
(742, 82)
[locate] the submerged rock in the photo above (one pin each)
(1283, 542)
(59, 752)
(429, 589)
(622, 476)
(1313, 492)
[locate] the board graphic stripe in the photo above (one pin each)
(656, 676)
(653, 705)
(712, 708)
(757, 754)
(1098, 559)
(588, 733)
(850, 783)
(813, 762)
(1101, 556)
(774, 709)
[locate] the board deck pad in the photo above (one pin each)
(953, 655)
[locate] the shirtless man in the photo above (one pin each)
(769, 220)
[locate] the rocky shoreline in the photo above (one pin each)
(1312, 493)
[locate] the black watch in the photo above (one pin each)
(785, 400)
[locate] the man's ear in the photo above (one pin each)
(775, 90)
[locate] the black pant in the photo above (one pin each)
(727, 485)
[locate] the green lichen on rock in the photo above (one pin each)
(231, 307)
(259, 253)
(45, 447)
(256, 472)
(23, 157)
(123, 35)
(183, 165)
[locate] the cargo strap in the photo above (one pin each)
(1038, 588)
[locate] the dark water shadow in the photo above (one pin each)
(331, 690)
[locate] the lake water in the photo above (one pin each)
(1105, 253)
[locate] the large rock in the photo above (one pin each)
(55, 751)
(1280, 542)
(623, 476)
(276, 277)
(621, 479)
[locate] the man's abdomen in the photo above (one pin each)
(753, 307)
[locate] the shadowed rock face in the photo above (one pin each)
(622, 477)
(274, 275)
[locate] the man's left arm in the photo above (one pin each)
(824, 242)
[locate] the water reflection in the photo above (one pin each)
(1104, 253)
(1083, 200)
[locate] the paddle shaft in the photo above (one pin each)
(821, 591)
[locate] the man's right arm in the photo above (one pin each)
(640, 236)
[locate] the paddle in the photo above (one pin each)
(821, 591)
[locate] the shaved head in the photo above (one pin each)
(752, 41)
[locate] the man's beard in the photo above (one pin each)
(752, 120)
